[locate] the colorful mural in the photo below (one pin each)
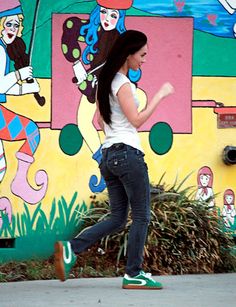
(87, 124)
(51, 53)
(15, 127)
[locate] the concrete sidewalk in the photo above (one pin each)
(216, 290)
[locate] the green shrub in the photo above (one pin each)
(184, 235)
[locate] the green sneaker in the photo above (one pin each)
(141, 281)
(65, 259)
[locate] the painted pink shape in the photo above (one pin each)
(179, 5)
(212, 19)
(20, 185)
(170, 43)
(8, 5)
(5, 205)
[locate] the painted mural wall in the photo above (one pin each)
(51, 53)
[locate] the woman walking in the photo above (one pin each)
(122, 166)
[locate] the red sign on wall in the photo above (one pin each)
(226, 121)
(226, 117)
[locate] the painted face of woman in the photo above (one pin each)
(229, 199)
(11, 29)
(109, 18)
(204, 179)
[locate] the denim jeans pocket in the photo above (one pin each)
(137, 157)
(118, 159)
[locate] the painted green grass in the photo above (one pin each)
(35, 233)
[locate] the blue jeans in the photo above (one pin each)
(126, 176)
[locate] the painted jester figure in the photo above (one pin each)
(97, 35)
(14, 127)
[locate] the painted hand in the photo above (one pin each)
(28, 88)
(26, 72)
(79, 72)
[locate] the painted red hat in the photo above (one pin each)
(116, 4)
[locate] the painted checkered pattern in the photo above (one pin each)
(14, 127)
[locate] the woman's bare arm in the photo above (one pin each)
(99, 117)
(126, 99)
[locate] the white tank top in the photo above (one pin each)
(120, 130)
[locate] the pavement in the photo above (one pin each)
(209, 290)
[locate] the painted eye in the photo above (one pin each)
(103, 11)
(114, 16)
(8, 24)
(17, 26)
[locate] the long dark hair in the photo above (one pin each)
(127, 43)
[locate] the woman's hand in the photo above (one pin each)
(166, 90)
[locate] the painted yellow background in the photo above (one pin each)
(69, 174)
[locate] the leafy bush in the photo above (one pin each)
(184, 235)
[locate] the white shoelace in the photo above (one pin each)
(147, 275)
